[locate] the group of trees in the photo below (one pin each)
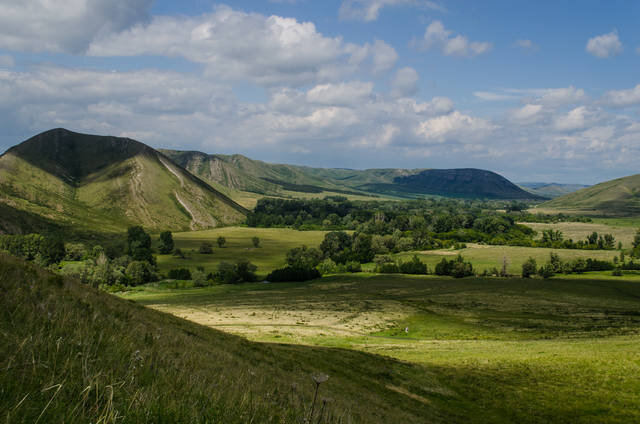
(555, 239)
(45, 250)
(555, 265)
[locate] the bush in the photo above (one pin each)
(139, 272)
(179, 274)
(199, 278)
(327, 267)
(166, 242)
(241, 271)
(353, 266)
(413, 266)
(529, 268)
(457, 267)
(255, 241)
(221, 241)
(293, 274)
(205, 248)
(388, 268)
(547, 271)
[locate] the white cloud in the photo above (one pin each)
(369, 10)
(605, 45)
(384, 56)
(526, 44)
(493, 97)
(405, 82)
(6, 61)
(65, 26)
(622, 98)
(437, 36)
(527, 114)
(577, 118)
(455, 126)
(351, 93)
(267, 50)
(561, 96)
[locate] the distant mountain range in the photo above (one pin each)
(241, 173)
(105, 184)
(551, 190)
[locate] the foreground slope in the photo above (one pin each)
(107, 183)
(241, 173)
(69, 353)
(619, 197)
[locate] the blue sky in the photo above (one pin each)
(542, 91)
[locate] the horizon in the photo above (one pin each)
(540, 92)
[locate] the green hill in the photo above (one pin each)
(551, 190)
(105, 184)
(241, 173)
(619, 197)
(70, 353)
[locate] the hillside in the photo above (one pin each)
(619, 197)
(551, 190)
(70, 353)
(241, 173)
(107, 183)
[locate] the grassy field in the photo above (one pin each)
(521, 351)
(622, 229)
(274, 243)
(486, 257)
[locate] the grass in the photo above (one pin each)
(274, 243)
(622, 229)
(69, 353)
(525, 351)
(485, 257)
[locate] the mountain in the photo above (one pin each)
(550, 190)
(107, 183)
(619, 197)
(241, 173)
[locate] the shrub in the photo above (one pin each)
(529, 268)
(179, 274)
(413, 266)
(327, 267)
(255, 241)
(166, 242)
(457, 267)
(353, 266)
(547, 271)
(205, 248)
(241, 271)
(199, 278)
(221, 241)
(292, 274)
(139, 272)
(388, 268)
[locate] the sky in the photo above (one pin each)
(534, 90)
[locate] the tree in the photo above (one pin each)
(206, 248)
(413, 266)
(256, 241)
(304, 257)
(334, 244)
(199, 278)
(52, 250)
(139, 245)
(529, 268)
(166, 242)
(138, 272)
(241, 271)
(221, 241)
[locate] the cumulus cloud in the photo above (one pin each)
(622, 98)
(266, 50)
(455, 126)
(369, 10)
(437, 36)
(405, 82)
(577, 118)
(344, 93)
(527, 114)
(65, 26)
(605, 45)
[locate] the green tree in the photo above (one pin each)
(304, 257)
(139, 245)
(221, 241)
(166, 242)
(138, 272)
(52, 250)
(529, 268)
(256, 241)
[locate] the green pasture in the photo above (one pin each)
(521, 351)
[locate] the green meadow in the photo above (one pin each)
(522, 351)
